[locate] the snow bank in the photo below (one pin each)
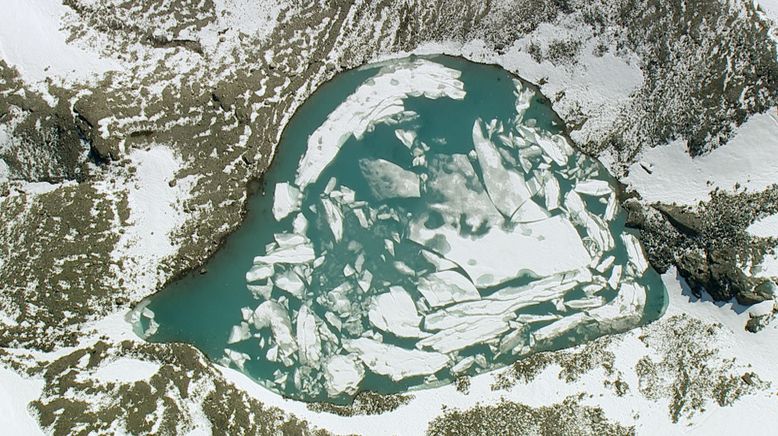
(126, 370)
(16, 392)
(32, 40)
(156, 210)
(667, 173)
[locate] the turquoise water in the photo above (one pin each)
(425, 244)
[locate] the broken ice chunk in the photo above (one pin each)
(333, 320)
(245, 313)
(529, 318)
(407, 137)
(290, 282)
(388, 180)
(605, 264)
(472, 331)
(585, 303)
(507, 189)
(623, 311)
(362, 218)
(338, 298)
(261, 291)
(593, 187)
(635, 253)
(554, 146)
(285, 200)
(551, 191)
(273, 315)
(307, 338)
(445, 287)
(615, 277)
(259, 272)
(595, 227)
(237, 358)
(239, 333)
(297, 254)
(395, 312)
(334, 218)
(395, 362)
(610, 208)
(439, 262)
(558, 328)
(463, 365)
(342, 375)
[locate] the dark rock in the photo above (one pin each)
(759, 293)
(684, 220)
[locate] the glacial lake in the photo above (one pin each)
(423, 218)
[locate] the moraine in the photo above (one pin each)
(426, 218)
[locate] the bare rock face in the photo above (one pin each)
(709, 244)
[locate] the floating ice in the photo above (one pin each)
(507, 189)
(546, 247)
(445, 287)
(407, 248)
(343, 374)
(273, 315)
(635, 252)
(388, 180)
(285, 200)
(374, 102)
(395, 362)
(307, 337)
(395, 312)
(595, 188)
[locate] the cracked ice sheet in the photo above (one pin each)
(373, 102)
(549, 247)
(445, 287)
(506, 188)
(395, 362)
(473, 330)
(504, 303)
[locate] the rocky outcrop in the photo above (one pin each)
(709, 244)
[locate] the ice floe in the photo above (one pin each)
(376, 101)
(343, 375)
(395, 362)
(395, 312)
(286, 200)
(388, 180)
(445, 287)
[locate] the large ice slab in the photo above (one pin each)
(395, 362)
(635, 252)
(388, 180)
(543, 248)
(471, 331)
(373, 102)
